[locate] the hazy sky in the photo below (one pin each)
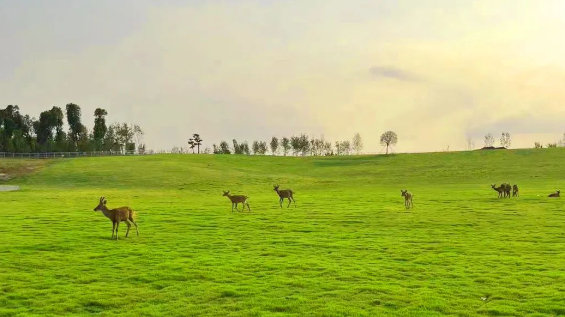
(434, 71)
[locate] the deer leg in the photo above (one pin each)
(113, 229)
(247, 206)
(135, 224)
(129, 227)
(280, 201)
(117, 227)
(289, 201)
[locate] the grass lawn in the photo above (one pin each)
(348, 249)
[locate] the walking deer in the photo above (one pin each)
(499, 189)
(507, 190)
(407, 199)
(118, 215)
(236, 199)
(285, 193)
(515, 191)
(556, 194)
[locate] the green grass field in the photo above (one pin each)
(348, 249)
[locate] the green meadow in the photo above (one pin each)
(349, 248)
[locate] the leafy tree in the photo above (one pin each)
(357, 143)
(237, 149)
(346, 147)
(505, 140)
(285, 143)
(489, 140)
(259, 147)
(100, 128)
(197, 141)
(538, 145)
(224, 148)
(389, 138)
(274, 145)
(255, 147)
(245, 148)
(295, 144)
(338, 147)
(74, 121)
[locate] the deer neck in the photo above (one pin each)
(107, 212)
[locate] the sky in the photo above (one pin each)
(437, 72)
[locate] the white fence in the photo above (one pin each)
(66, 154)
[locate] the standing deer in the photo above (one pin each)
(515, 191)
(556, 194)
(236, 199)
(407, 199)
(499, 189)
(507, 190)
(285, 193)
(118, 215)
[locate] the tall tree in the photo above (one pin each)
(191, 144)
(505, 140)
(389, 138)
(285, 143)
(197, 141)
(100, 128)
(74, 121)
(357, 143)
(224, 148)
(255, 147)
(274, 145)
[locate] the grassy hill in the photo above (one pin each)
(348, 249)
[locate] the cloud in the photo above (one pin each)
(392, 73)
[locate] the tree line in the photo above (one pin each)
(299, 145)
(24, 134)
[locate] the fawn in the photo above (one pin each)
(236, 199)
(285, 193)
(118, 215)
(515, 191)
(556, 194)
(407, 199)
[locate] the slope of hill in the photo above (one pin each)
(348, 249)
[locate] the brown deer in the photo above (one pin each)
(515, 191)
(499, 189)
(285, 193)
(236, 199)
(556, 194)
(507, 190)
(407, 199)
(118, 215)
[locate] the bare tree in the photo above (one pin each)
(357, 143)
(505, 140)
(389, 138)
(489, 140)
(470, 143)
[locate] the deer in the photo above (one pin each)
(285, 193)
(407, 199)
(125, 214)
(507, 189)
(515, 191)
(236, 199)
(499, 189)
(556, 194)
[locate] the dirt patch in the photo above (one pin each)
(14, 168)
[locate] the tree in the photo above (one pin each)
(505, 140)
(274, 145)
(538, 145)
(357, 143)
(191, 144)
(237, 149)
(470, 143)
(285, 143)
(346, 147)
(255, 147)
(74, 121)
(100, 128)
(224, 148)
(295, 144)
(338, 147)
(197, 141)
(489, 140)
(388, 139)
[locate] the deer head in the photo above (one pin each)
(403, 192)
(276, 188)
(102, 205)
(226, 193)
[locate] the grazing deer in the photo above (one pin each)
(118, 215)
(515, 191)
(556, 194)
(407, 199)
(285, 193)
(236, 199)
(499, 189)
